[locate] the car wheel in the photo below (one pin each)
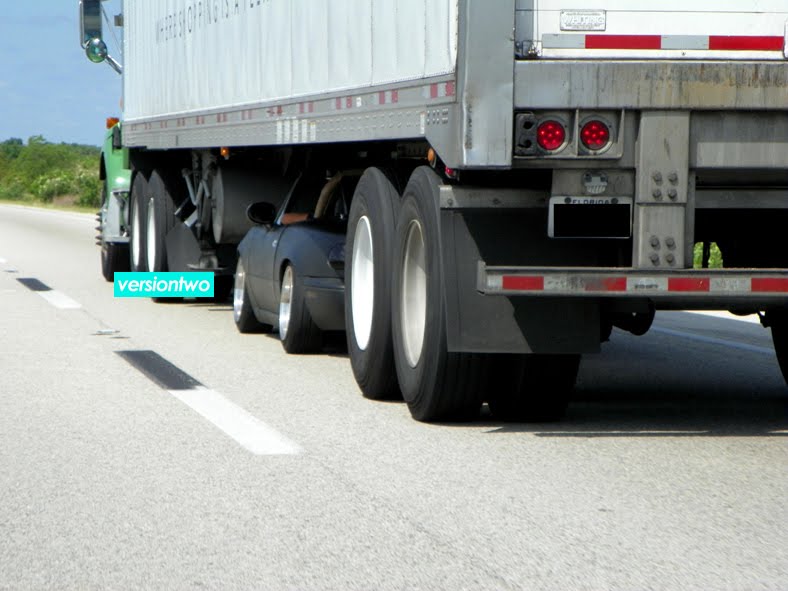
(245, 320)
(298, 332)
(371, 227)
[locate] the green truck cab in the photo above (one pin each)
(113, 217)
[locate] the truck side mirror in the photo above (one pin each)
(96, 50)
(90, 24)
(91, 34)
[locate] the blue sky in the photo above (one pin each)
(47, 85)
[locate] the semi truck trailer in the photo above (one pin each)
(527, 174)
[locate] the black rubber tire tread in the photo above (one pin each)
(303, 335)
(532, 388)
(376, 198)
(138, 208)
(164, 210)
(443, 386)
(164, 220)
(114, 259)
(114, 256)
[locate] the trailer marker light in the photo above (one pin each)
(112, 122)
(595, 135)
(550, 135)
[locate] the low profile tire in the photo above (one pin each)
(138, 216)
(436, 384)
(368, 264)
(533, 388)
(298, 332)
(243, 315)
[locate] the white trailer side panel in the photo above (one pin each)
(654, 29)
(193, 56)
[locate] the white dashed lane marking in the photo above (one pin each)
(60, 300)
(54, 297)
(247, 430)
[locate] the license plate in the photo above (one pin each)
(590, 217)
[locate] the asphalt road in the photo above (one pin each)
(669, 472)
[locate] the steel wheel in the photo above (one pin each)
(413, 310)
(136, 235)
(285, 302)
(362, 293)
(239, 291)
(151, 234)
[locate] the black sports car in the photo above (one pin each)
(290, 272)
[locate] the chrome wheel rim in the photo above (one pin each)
(136, 240)
(285, 301)
(238, 291)
(362, 291)
(413, 300)
(151, 243)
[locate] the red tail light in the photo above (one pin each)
(595, 135)
(550, 135)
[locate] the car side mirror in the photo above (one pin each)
(261, 213)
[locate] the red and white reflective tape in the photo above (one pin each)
(442, 90)
(347, 102)
(388, 97)
(666, 42)
(597, 283)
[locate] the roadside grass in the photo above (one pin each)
(56, 205)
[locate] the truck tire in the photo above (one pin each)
(114, 256)
(138, 215)
(436, 384)
(533, 388)
(297, 330)
(370, 239)
(114, 259)
(160, 220)
(243, 315)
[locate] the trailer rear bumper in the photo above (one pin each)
(748, 286)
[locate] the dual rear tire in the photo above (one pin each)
(396, 318)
